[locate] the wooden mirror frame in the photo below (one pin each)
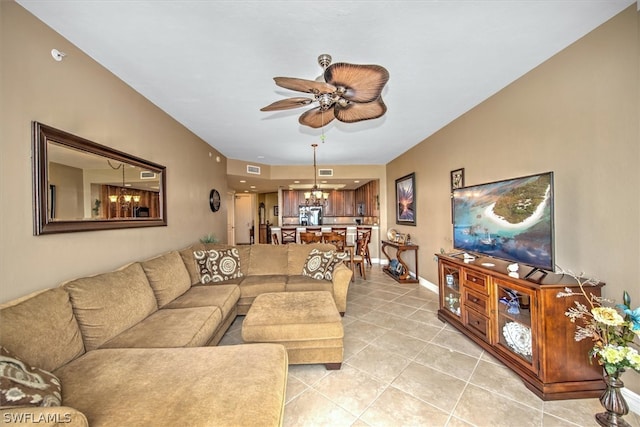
(42, 221)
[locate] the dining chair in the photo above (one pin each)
(337, 240)
(359, 258)
(360, 232)
(313, 229)
(309, 237)
(288, 235)
(340, 230)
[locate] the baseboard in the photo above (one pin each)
(633, 400)
(425, 283)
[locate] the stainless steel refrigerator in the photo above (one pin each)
(310, 215)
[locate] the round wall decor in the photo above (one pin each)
(214, 200)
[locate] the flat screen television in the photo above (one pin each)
(510, 219)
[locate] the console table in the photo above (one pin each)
(405, 277)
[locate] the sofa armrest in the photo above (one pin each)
(341, 279)
(43, 416)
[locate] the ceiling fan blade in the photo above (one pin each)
(357, 111)
(287, 104)
(316, 118)
(302, 85)
(363, 83)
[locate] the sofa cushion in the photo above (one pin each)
(297, 255)
(41, 329)
(22, 385)
(180, 327)
(317, 263)
(305, 283)
(110, 303)
(189, 261)
(256, 285)
(238, 385)
(218, 265)
(268, 259)
(224, 297)
(168, 277)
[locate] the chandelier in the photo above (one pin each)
(315, 197)
(123, 197)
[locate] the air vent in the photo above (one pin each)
(253, 169)
(148, 175)
(325, 172)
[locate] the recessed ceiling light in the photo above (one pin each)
(246, 191)
(253, 186)
(356, 181)
(243, 181)
(296, 182)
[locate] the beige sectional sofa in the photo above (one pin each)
(135, 346)
(275, 268)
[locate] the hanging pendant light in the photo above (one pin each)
(315, 197)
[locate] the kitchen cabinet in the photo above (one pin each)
(366, 198)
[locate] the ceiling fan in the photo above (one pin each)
(347, 92)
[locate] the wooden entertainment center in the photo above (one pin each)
(521, 323)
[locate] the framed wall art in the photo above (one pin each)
(406, 200)
(457, 179)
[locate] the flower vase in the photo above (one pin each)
(613, 401)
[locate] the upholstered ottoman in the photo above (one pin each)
(306, 323)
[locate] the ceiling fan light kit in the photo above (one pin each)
(349, 93)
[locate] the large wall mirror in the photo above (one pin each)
(79, 185)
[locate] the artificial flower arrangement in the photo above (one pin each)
(612, 329)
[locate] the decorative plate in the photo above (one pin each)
(518, 337)
(391, 234)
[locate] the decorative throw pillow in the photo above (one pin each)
(21, 385)
(338, 257)
(218, 265)
(316, 264)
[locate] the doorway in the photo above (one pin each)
(231, 221)
(243, 218)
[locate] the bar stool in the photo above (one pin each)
(288, 235)
(313, 229)
(360, 233)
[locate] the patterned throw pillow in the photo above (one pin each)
(338, 257)
(21, 385)
(317, 263)
(218, 265)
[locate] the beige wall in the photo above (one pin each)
(79, 96)
(577, 115)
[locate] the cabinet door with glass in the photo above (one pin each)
(515, 314)
(450, 293)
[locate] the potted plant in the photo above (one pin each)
(96, 207)
(613, 330)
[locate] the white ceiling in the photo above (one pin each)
(210, 64)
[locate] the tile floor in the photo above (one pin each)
(403, 367)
